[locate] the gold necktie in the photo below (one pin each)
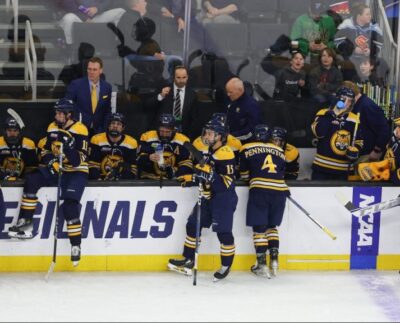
(94, 98)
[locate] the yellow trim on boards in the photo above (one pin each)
(206, 263)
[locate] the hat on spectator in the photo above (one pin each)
(317, 7)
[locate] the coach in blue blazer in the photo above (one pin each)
(92, 97)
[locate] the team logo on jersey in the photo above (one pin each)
(340, 141)
(169, 161)
(110, 162)
(12, 165)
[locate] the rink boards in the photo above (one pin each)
(140, 228)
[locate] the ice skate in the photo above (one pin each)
(221, 273)
(260, 268)
(181, 266)
(75, 255)
(22, 230)
(273, 261)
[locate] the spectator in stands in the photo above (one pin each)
(368, 73)
(87, 11)
(149, 50)
(314, 31)
(221, 11)
(290, 80)
(136, 9)
(179, 100)
(374, 125)
(92, 97)
(325, 78)
(78, 70)
(243, 111)
(358, 36)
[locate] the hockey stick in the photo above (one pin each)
(329, 233)
(354, 138)
(17, 118)
(198, 156)
(121, 38)
(369, 209)
(53, 263)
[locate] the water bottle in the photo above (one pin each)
(340, 104)
(159, 150)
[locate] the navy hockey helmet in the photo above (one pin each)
(166, 121)
(341, 94)
(262, 133)
(279, 136)
(11, 123)
(113, 131)
(218, 127)
(222, 117)
(64, 105)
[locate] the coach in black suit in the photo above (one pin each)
(180, 101)
(92, 97)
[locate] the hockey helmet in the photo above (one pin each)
(279, 136)
(342, 94)
(262, 133)
(166, 121)
(113, 131)
(218, 127)
(64, 105)
(11, 123)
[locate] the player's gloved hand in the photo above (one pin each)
(204, 172)
(54, 166)
(169, 172)
(331, 114)
(187, 180)
(66, 139)
(352, 153)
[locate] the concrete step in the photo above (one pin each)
(52, 52)
(37, 13)
(45, 31)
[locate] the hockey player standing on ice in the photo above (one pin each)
(113, 153)
(279, 138)
(161, 154)
(231, 141)
(72, 136)
(334, 128)
(262, 164)
(17, 153)
(389, 167)
(218, 201)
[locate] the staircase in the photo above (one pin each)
(51, 60)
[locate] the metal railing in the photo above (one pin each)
(15, 7)
(30, 63)
(390, 50)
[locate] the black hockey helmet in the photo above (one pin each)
(115, 117)
(64, 105)
(166, 121)
(262, 133)
(279, 133)
(11, 123)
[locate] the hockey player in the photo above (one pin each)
(262, 164)
(337, 148)
(161, 154)
(70, 137)
(17, 153)
(113, 153)
(389, 168)
(279, 138)
(231, 141)
(218, 201)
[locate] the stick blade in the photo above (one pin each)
(345, 201)
(50, 271)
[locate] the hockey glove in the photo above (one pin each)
(54, 166)
(352, 153)
(204, 172)
(187, 180)
(66, 139)
(169, 172)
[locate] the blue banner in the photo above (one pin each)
(365, 230)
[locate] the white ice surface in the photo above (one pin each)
(292, 296)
